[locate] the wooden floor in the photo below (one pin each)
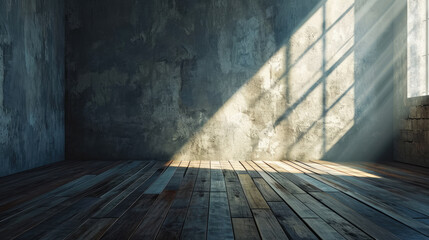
(216, 200)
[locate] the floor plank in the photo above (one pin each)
(216, 200)
(219, 222)
(268, 226)
(195, 226)
(245, 229)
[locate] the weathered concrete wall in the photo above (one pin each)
(228, 80)
(31, 84)
(411, 115)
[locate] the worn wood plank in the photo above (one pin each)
(286, 183)
(217, 179)
(122, 191)
(293, 175)
(301, 209)
(250, 170)
(158, 186)
(172, 226)
(268, 226)
(236, 197)
(323, 230)
(245, 229)
(291, 223)
(124, 227)
(60, 222)
(269, 194)
(203, 179)
(342, 226)
(354, 193)
(219, 221)
(351, 201)
(153, 219)
(379, 219)
(133, 197)
(354, 217)
(91, 229)
(195, 226)
(254, 197)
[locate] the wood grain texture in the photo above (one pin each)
(216, 200)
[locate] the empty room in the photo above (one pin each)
(214, 119)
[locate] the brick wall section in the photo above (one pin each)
(412, 144)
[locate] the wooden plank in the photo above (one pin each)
(291, 223)
(268, 226)
(91, 229)
(99, 180)
(237, 200)
(217, 179)
(418, 226)
(172, 226)
(396, 198)
(8, 180)
(250, 170)
(203, 179)
(21, 192)
(254, 197)
(177, 178)
(126, 180)
(323, 230)
(238, 167)
(21, 223)
(132, 198)
(158, 186)
(61, 209)
(412, 169)
(219, 221)
(354, 217)
(184, 194)
(245, 229)
(342, 226)
(301, 209)
(153, 219)
(319, 184)
(286, 183)
(124, 227)
(269, 194)
(293, 175)
(122, 191)
(56, 204)
(119, 180)
(18, 213)
(195, 226)
(60, 221)
(379, 219)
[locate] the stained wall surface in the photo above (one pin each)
(229, 80)
(31, 84)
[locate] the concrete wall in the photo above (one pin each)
(229, 80)
(31, 84)
(411, 114)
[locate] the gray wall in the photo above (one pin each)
(31, 84)
(229, 80)
(411, 114)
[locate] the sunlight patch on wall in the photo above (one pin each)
(299, 103)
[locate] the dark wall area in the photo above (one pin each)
(230, 80)
(144, 76)
(31, 84)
